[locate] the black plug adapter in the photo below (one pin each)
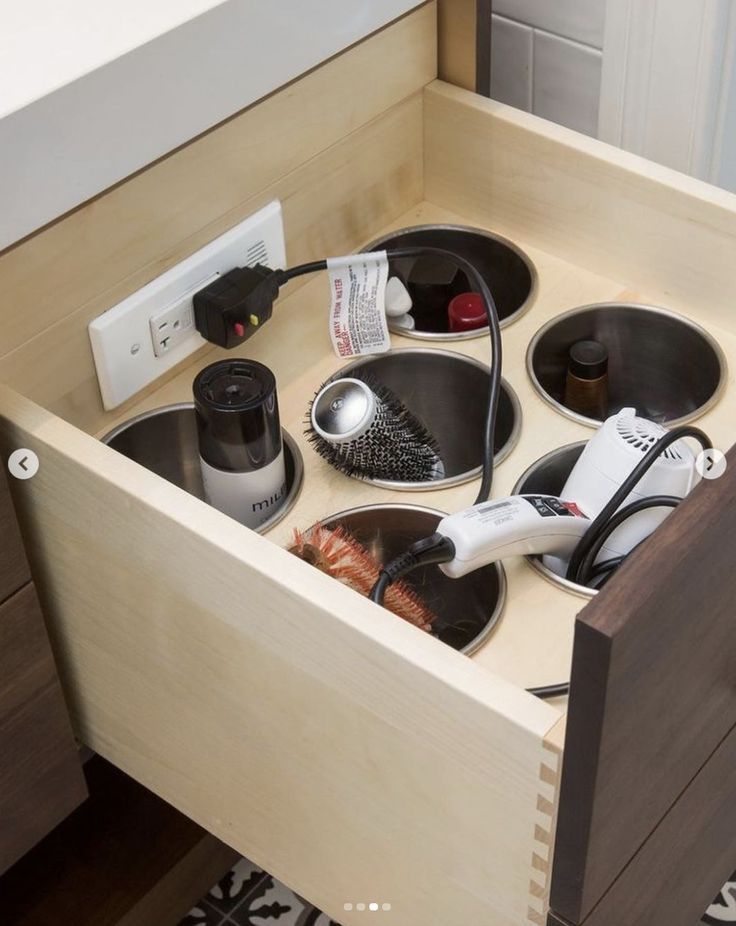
(234, 306)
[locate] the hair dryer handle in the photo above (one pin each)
(519, 525)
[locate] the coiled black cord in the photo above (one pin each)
(642, 504)
(611, 517)
(580, 561)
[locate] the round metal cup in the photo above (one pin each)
(508, 271)
(165, 441)
(547, 476)
(467, 609)
(665, 366)
(448, 392)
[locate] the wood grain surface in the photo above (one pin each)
(609, 211)
(276, 707)
(14, 571)
(40, 774)
(242, 619)
(686, 861)
(464, 39)
(652, 696)
(124, 858)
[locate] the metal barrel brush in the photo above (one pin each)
(363, 429)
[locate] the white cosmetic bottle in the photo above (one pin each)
(240, 444)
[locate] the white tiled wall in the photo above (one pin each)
(581, 20)
(546, 58)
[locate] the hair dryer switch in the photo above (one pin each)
(520, 525)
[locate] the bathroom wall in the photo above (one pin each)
(662, 83)
(547, 59)
(724, 164)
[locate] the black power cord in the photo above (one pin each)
(585, 570)
(590, 538)
(233, 307)
(643, 504)
(481, 287)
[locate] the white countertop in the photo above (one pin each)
(91, 91)
(45, 45)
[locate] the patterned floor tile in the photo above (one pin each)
(271, 904)
(315, 918)
(235, 886)
(723, 908)
(202, 915)
(248, 896)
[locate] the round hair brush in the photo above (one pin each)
(363, 429)
(338, 554)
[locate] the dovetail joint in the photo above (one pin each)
(544, 832)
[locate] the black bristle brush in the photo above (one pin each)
(363, 429)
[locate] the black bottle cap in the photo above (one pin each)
(588, 360)
(237, 415)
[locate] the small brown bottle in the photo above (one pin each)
(586, 385)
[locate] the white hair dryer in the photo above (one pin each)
(543, 524)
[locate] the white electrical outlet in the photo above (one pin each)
(175, 323)
(152, 330)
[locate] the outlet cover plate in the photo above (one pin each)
(122, 344)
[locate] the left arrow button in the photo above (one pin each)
(23, 463)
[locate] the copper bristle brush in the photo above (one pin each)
(338, 554)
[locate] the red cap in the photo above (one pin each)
(466, 312)
(239, 329)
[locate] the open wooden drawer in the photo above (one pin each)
(349, 754)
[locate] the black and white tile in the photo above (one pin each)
(248, 896)
(202, 915)
(234, 887)
(723, 908)
(271, 902)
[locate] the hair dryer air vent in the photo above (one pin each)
(642, 435)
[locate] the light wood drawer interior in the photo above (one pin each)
(348, 753)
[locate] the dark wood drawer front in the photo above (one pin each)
(14, 571)
(685, 862)
(41, 778)
(652, 696)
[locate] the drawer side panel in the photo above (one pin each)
(341, 749)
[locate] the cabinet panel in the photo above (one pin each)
(41, 778)
(682, 866)
(13, 565)
(652, 698)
